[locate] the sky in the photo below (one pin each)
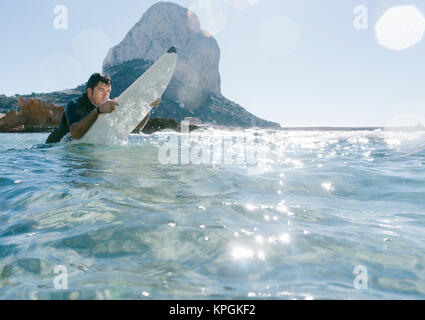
(301, 63)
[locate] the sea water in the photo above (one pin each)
(215, 214)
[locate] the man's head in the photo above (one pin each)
(99, 88)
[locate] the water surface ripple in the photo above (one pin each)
(292, 223)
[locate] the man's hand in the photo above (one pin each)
(156, 103)
(108, 106)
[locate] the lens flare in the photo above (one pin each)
(400, 28)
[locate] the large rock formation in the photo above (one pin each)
(11, 122)
(37, 114)
(195, 89)
(164, 25)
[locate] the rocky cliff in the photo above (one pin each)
(35, 115)
(11, 122)
(165, 25)
(195, 89)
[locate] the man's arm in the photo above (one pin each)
(79, 129)
(142, 124)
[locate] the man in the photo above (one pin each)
(80, 114)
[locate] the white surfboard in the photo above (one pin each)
(135, 103)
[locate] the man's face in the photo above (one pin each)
(99, 94)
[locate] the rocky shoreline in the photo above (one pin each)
(41, 116)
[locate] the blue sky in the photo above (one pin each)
(300, 63)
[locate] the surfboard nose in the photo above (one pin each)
(172, 50)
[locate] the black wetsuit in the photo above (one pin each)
(75, 111)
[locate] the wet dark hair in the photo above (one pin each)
(96, 78)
